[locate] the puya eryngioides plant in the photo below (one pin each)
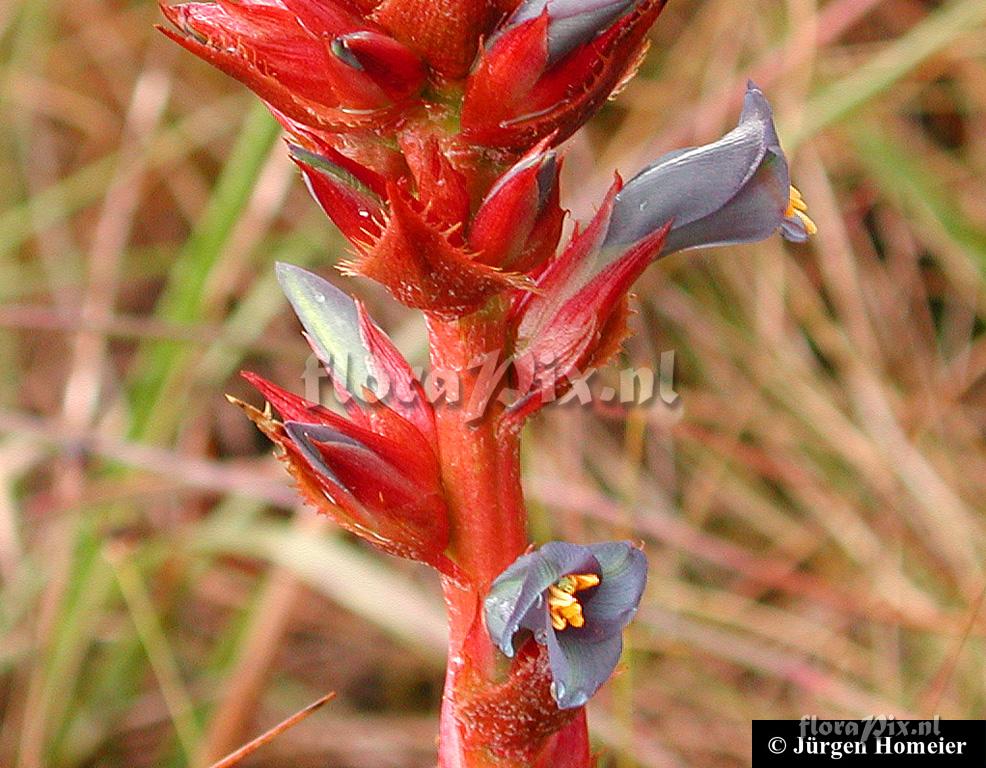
(430, 133)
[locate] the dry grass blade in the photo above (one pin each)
(248, 749)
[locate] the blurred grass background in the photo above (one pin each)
(812, 505)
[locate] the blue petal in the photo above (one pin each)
(754, 214)
(688, 185)
(612, 605)
(793, 229)
(583, 658)
(580, 664)
(571, 23)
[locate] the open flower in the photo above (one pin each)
(576, 600)
(734, 190)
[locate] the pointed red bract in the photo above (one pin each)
(518, 225)
(513, 98)
(407, 397)
(577, 316)
(354, 209)
(420, 266)
(386, 488)
(289, 57)
(442, 190)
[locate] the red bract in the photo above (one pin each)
(518, 225)
(423, 268)
(517, 95)
(353, 206)
(384, 488)
(444, 32)
(441, 189)
(316, 62)
(577, 317)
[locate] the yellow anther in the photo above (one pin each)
(563, 607)
(796, 206)
(585, 580)
(558, 598)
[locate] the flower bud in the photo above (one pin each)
(352, 205)
(361, 360)
(551, 66)
(576, 317)
(315, 62)
(518, 224)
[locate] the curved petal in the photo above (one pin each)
(754, 214)
(794, 230)
(611, 605)
(688, 185)
(580, 665)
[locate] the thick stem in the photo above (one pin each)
(481, 473)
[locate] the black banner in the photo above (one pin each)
(878, 741)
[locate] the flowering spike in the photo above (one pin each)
(600, 583)
(423, 269)
(518, 225)
(425, 129)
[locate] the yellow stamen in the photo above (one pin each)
(796, 206)
(559, 598)
(586, 580)
(563, 607)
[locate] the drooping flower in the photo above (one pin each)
(575, 600)
(734, 190)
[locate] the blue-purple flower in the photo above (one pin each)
(734, 190)
(575, 600)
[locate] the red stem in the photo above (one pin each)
(481, 472)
